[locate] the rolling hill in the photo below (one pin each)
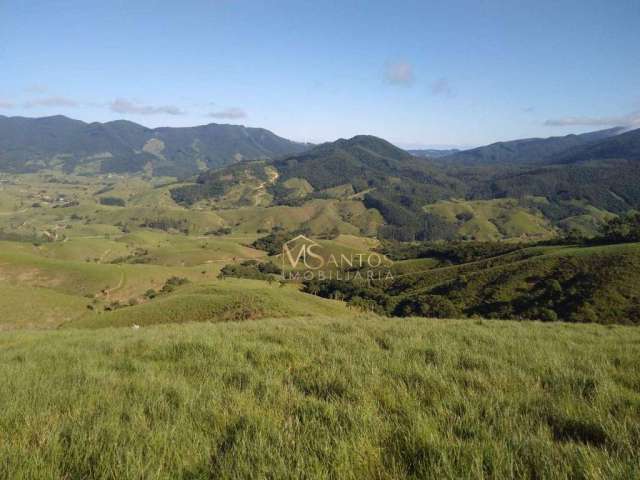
(603, 174)
(33, 144)
(534, 189)
(364, 168)
(586, 283)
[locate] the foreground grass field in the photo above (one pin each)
(357, 397)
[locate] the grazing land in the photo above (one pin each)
(354, 396)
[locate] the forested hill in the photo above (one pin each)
(527, 151)
(624, 146)
(577, 188)
(32, 144)
(604, 174)
(360, 161)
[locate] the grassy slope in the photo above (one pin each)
(27, 307)
(225, 300)
(41, 287)
(493, 219)
(319, 397)
(320, 216)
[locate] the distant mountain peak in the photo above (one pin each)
(528, 150)
(30, 144)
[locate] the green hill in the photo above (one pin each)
(570, 283)
(220, 301)
(551, 186)
(625, 145)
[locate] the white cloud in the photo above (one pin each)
(5, 104)
(51, 102)
(121, 105)
(229, 113)
(399, 73)
(630, 120)
(442, 87)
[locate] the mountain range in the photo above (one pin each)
(530, 187)
(32, 144)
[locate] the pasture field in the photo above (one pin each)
(322, 397)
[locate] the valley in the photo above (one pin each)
(249, 240)
(101, 246)
(139, 309)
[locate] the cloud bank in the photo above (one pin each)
(631, 120)
(121, 105)
(55, 101)
(229, 114)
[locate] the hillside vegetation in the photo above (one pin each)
(86, 256)
(570, 283)
(525, 189)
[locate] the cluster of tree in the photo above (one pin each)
(139, 255)
(219, 232)
(215, 183)
(190, 194)
(622, 229)
(251, 269)
(406, 221)
(167, 224)
(286, 196)
(113, 201)
(169, 286)
(450, 252)
(273, 242)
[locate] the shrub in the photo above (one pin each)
(173, 282)
(218, 232)
(112, 201)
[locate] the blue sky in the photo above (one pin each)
(418, 73)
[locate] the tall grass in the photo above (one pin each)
(322, 398)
